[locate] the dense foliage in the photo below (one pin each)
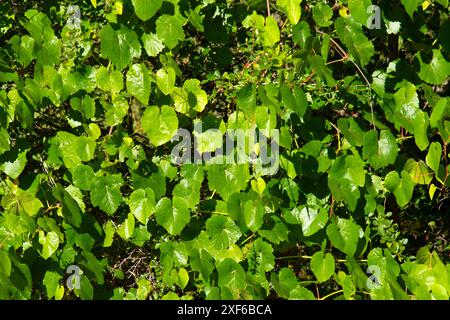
(353, 101)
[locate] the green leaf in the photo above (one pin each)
(110, 230)
(86, 105)
(183, 278)
(253, 215)
(261, 256)
(231, 276)
(106, 193)
(346, 175)
(351, 34)
(5, 264)
(49, 242)
(380, 152)
(435, 72)
(112, 82)
(126, 229)
(170, 30)
(172, 215)
(418, 171)
(24, 49)
(4, 140)
(358, 10)
(291, 8)
(160, 125)
(322, 14)
(152, 44)
(228, 179)
(351, 130)
(402, 188)
(246, 99)
(14, 168)
(142, 204)
(434, 155)
(439, 112)
(295, 100)
(410, 6)
(322, 266)
(311, 219)
(284, 282)
(145, 9)
(138, 82)
(83, 176)
(165, 80)
(222, 231)
(70, 209)
(51, 283)
(301, 293)
(120, 46)
(116, 111)
(271, 32)
(344, 235)
(190, 97)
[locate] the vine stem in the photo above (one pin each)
(332, 294)
(268, 7)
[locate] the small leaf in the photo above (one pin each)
(49, 242)
(70, 209)
(165, 80)
(401, 187)
(434, 155)
(142, 204)
(322, 266)
(126, 229)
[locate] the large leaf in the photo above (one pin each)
(222, 231)
(351, 34)
(106, 193)
(346, 175)
(434, 155)
(172, 215)
(291, 8)
(435, 72)
(138, 82)
(160, 125)
(145, 9)
(142, 204)
(344, 235)
(170, 30)
(70, 209)
(380, 152)
(119, 45)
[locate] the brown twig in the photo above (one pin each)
(268, 7)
